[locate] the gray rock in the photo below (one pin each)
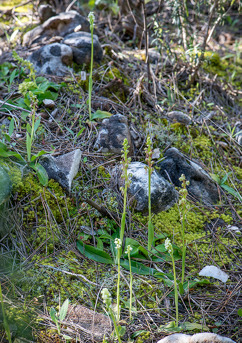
(48, 103)
(179, 117)
(45, 12)
(59, 25)
(112, 134)
(204, 337)
(201, 186)
(80, 43)
(63, 168)
(52, 59)
(5, 185)
(163, 194)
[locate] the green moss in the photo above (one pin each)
(227, 69)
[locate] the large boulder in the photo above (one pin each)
(163, 194)
(52, 59)
(112, 134)
(5, 185)
(81, 43)
(201, 187)
(59, 25)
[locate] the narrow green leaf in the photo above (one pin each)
(94, 253)
(137, 267)
(40, 153)
(100, 115)
(63, 310)
(28, 146)
(193, 326)
(28, 128)
(53, 314)
(41, 173)
(11, 127)
(36, 124)
(12, 76)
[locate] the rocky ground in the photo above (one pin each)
(168, 71)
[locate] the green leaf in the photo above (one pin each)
(63, 310)
(225, 178)
(11, 127)
(5, 153)
(216, 178)
(28, 146)
(121, 330)
(53, 314)
(194, 283)
(12, 77)
(170, 327)
(240, 312)
(36, 124)
(46, 95)
(99, 243)
(232, 191)
(137, 267)
(193, 326)
(94, 253)
(80, 132)
(138, 333)
(40, 153)
(28, 128)
(100, 115)
(41, 173)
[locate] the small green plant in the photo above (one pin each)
(107, 299)
(60, 317)
(184, 208)
(118, 246)
(129, 249)
(125, 162)
(169, 248)
(149, 167)
(5, 322)
(222, 182)
(91, 19)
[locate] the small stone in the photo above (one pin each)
(112, 134)
(179, 117)
(215, 272)
(63, 168)
(49, 103)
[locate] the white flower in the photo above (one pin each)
(117, 243)
(168, 246)
(91, 18)
(129, 249)
(106, 296)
